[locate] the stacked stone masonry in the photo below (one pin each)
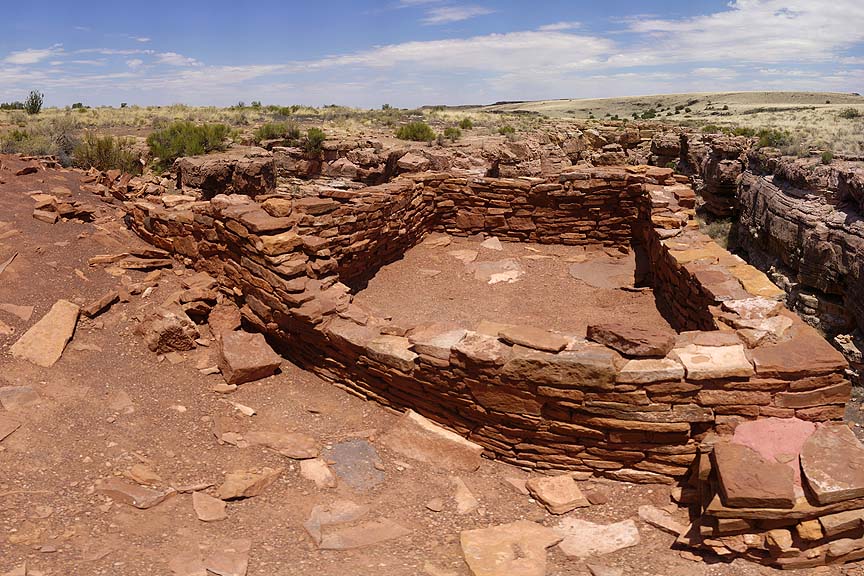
(782, 492)
(532, 398)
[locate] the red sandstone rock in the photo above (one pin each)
(419, 438)
(714, 362)
(832, 461)
(776, 439)
(633, 340)
(168, 330)
(805, 354)
(248, 171)
(650, 371)
(749, 481)
(534, 338)
(245, 357)
(559, 494)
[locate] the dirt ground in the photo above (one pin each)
(434, 282)
(110, 403)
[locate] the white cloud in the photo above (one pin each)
(134, 63)
(115, 51)
(142, 39)
(559, 26)
(175, 59)
(491, 53)
(33, 55)
(447, 14)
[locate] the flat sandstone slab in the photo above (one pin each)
(750, 481)
(44, 342)
(421, 439)
(832, 460)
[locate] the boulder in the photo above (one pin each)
(168, 330)
(248, 171)
(246, 357)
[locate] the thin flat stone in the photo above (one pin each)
(44, 342)
(747, 480)
(714, 362)
(421, 439)
(583, 539)
(515, 549)
(363, 535)
(559, 494)
(535, 338)
(832, 461)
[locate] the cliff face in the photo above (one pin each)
(798, 220)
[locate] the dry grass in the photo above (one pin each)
(813, 118)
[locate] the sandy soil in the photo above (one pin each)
(109, 404)
(431, 283)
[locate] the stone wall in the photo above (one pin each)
(530, 397)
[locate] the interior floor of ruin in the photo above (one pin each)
(467, 280)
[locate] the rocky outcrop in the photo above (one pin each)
(248, 171)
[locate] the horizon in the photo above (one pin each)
(412, 53)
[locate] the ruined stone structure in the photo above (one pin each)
(530, 397)
(796, 219)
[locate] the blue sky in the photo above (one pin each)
(413, 52)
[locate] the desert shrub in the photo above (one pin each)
(743, 131)
(314, 139)
(506, 129)
(466, 124)
(106, 153)
(33, 103)
(849, 113)
(416, 131)
(277, 131)
(48, 138)
(12, 105)
(711, 129)
(827, 157)
(773, 138)
(452, 133)
(184, 138)
(78, 106)
(649, 114)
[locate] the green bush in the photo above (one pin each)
(743, 131)
(106, 153)
(773, 138)
(452, 133)
(850, 113)
(827, 157)
(184, 138)
(12, 105)
(33, 103)
(466, 124)
(314, 139)
(416, 131)
(649, 114)
(711, 129)
(277, 131)
(506, 129)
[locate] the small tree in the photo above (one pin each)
(33, 104)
